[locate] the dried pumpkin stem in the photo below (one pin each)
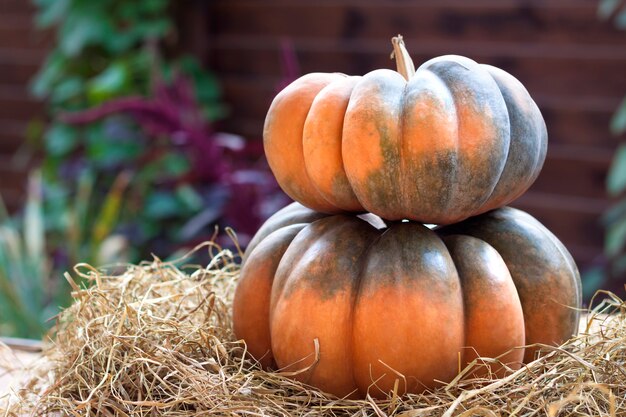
(404, 63)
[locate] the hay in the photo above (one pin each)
(156, 341)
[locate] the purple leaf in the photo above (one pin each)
(173, 111)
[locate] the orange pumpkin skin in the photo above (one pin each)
(455, 140)
(403, 300)
(544, 272)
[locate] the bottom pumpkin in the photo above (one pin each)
(354, 304)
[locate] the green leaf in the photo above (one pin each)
(4, 213)
(51, 71)
(15, 318)
(108, 216)
(61, 139)
(148, 228)
(56, 204)
(189, 198)
(109, 83)
(34, 134)
(78, 216)
(81, 30)
(122, 42)
(592, 280)
(67, 89)
(618, 121)
(50, 168)
(161, 205)
(154, 6)
(607, 7)
(620, 20)
(615, 238)
(142, 9)
(34, 233)
(107, 155)
(207, 86)
(614, 213)
(105, 151)
(51, 12)
(154, 29)
(215, 112)
(129, 10)
(136, 34)
(24, 266)
(619, 266)
(174, 164)
(616, 180)
(140, 64)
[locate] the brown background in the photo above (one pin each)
(22, 51)
(572, 63)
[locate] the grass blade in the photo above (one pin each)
(107, 218)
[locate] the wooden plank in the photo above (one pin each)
(16, 6)
(580, 154)
(12, 127)
(13, 200)
(193, 22)
(12, 182)
(21, 57)
(12, 135)
(542, 4)
(20, 109)
(579, 127)
(16, 20)
(249, 128)
(17, 30)
(16, 103)
(558, 22)
(546, 75)
(10, 143)
(583, 206)
(10, 91)
(584, 177)
(19, 73)
(421, 49)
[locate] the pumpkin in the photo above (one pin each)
(451, 140)
(348, 304)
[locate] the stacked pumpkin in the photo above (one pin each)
(353, 293)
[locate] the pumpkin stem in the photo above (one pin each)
(404, 63)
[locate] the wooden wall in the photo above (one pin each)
(22, 50)
(573, 65)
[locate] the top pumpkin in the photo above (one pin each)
(451, 140)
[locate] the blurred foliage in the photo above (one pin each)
(103, 50)
(30, 293)
(615, 217)
(112, 50)
(132, 164)
(25, 295)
